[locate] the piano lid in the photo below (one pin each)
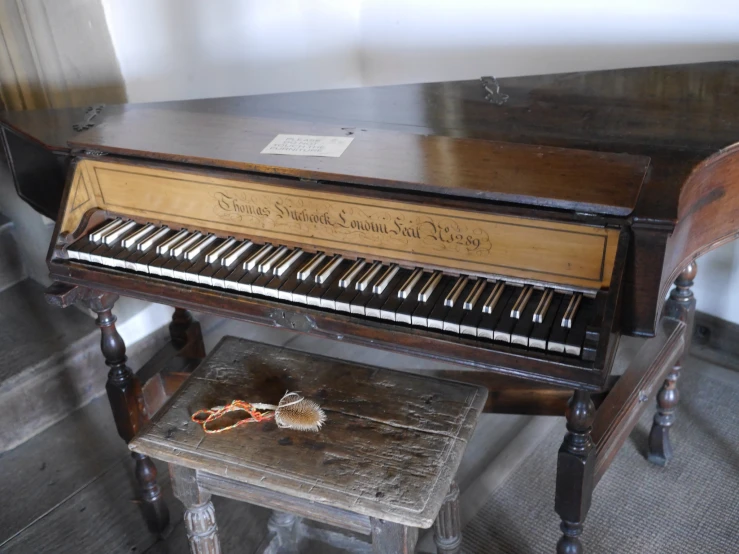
(676, 115)
(561, 178)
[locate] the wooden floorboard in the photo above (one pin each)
(103, 517)
(46, 470)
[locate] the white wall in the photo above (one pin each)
(174, 49)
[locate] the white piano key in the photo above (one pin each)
(571, 311)
(146, 244)
(268, 263)
(257, 257)
(428, 289)
(196, 250)
(97, 236)
(119, 231)
(474, 294)
(166, 246)
(523, 299)
(366, 279)
(384, 281)
(493, 298)
(411, 282)
(328, 269)
(217, 253)
(186, 244)
(348, 278)
(306, 271)
(132, 240)
(543, 306)
(233, 256)
(455, 292)
(287, 263)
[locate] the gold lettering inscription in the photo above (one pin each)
(344, 221)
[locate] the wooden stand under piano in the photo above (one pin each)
(519, 230)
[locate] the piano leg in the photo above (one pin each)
(575, 472)
(680, 305)
(186, 334)
(126, 401)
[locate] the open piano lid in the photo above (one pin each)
(560, 178)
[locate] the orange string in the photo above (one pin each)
(235, 406)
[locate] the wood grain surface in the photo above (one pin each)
(390, 448)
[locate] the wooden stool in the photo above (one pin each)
(383, 464)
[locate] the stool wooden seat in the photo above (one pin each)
(383, 464)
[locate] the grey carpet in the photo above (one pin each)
(690, 506)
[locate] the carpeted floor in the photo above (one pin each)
(690, 506)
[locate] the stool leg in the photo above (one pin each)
(575, 468)
(447, 528)
(680, 305)
(200, 516)
(392, 538)
(126, 402)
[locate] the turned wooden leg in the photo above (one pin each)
(126, 401)
(186, 334)
(680, 305)
(448, 528)
(575, 469)
(200, 516)
(392, 538)
(281, 526)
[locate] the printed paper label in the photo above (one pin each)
(308, 145)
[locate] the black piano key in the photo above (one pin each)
(576, 336)
(320, 289)
(376, 304)
(505, 324)
(541, 331)
(457, 312)
(556, 340)
(434, 306)
(489, 322)
(525, 323)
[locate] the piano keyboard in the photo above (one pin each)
(522, 315)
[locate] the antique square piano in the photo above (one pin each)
(519, 227)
